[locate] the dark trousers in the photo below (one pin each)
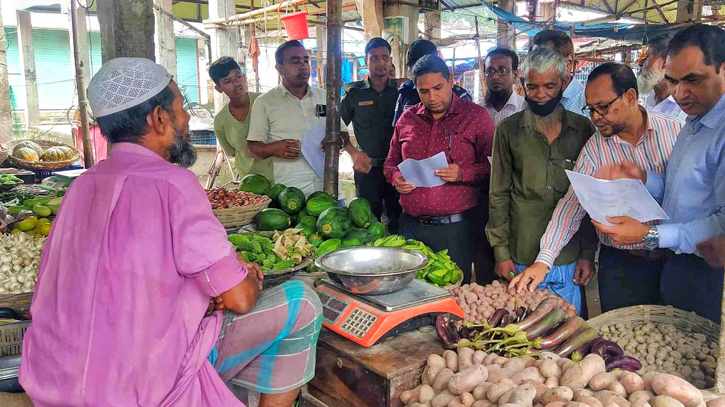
(457, 237)
(382, 196)
(626, 279)
(689, 283)
(483, 258)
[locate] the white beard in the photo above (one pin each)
(646, 81)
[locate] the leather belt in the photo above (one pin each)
(656, 254)
(439, 220)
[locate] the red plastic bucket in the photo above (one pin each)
(296, 25)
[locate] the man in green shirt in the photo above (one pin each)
(370, 106)
(231, 124)
(531, 151)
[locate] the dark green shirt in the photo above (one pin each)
(371, 114)
(527, 181)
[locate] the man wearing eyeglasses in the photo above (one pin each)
(532, 150)
(628, 274)
(501, 101)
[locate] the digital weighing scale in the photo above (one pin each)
(366, 319)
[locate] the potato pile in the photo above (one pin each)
(472, 378)
(664, 348)
(479, 302)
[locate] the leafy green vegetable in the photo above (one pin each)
(284, 264)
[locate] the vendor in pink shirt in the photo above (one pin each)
(133, 263)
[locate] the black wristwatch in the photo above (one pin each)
(651, 241)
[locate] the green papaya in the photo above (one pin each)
(272, 219)
(255, 183)
(360, 212)
(275, 191)
(316, 206)
(317, 194)
(334, 222)
(291, 200)
(352, 242)
(377, 229)
(328, 246)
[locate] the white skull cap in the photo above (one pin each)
(122, 83)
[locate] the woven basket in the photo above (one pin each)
(240, 215)
(4, 152)
(41, 165)
(640, 314)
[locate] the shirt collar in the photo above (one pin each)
(573, 90)
(367, 85)
(648, 130)
(711, 118)
(566, 120)
(454, 108)
(286, 91)
(514, 100)
(133, 148)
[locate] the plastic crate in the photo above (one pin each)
(203, 138)
(11, 338)
(43, 174)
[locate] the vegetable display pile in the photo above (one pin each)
(664, 348)
(19, 261)
(222, 198)
(480, 302)
(283, 251)
(474, 378)
(6, 179)
(31, 151)
(15, 198)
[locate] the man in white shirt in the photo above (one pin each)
(284, 116)
(501, 101)
(651, 80)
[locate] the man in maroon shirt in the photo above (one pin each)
(442, 216)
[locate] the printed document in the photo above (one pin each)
(312, 150)
(622, 197)
(421, 172)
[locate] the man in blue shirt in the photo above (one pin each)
(407, 93)
(573, 98)
(692, 190)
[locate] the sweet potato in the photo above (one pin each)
(664, 384)
(641, 404)
(515, 365)
(540, 390)
(479, 393)
(718, 402)
(410, 396)
(549, 368)
(456, 400)
(619, 389)
(490, 358)
(579, 394)
(442, 399)
(509, 405)
(483, 403)
(552, 382)
(441, 381)
(631, 381)
(523, 395)
(495, 372)
(575, 404)
(665, 401)
(467, 399)
(467, 380)
(607, 397)
(417, 405)
(495, 392)
(506, 396)
(479, 356)
(451, 358)
(501, 360)
(465, 358)
(641, 395)
(591, 401)
(530, 373)
(555, 404)
(425, 394)
(601, 381)
(424, 377)
(436, 361)
(456, 405)
(560, 393)
(549, 356)
(578, 376)
(528, 360)
(647, 379)
(432, 374)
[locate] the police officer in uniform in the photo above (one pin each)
(408, 94)
(370, 106)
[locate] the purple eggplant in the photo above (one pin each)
(442, 331)
(607, 349)
(563, 332)
(579, 339)
(548, 322)
(622, 362)
(507, 319)
(584, 349)
(541, 310)
(495, 319)
(520, 313)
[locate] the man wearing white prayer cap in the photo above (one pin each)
(141, 300)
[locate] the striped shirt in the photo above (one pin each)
(650, 153)
(516, 103)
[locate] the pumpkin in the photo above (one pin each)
(26, 153)
(29, 144)
(54, 154)
(69, 153)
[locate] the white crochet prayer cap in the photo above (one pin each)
(122, 83)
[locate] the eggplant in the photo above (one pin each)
(442, 331)
(495, 319)
(549, 321)
(584, 349)
(582, 337)
(507, 319)
(541, 310)
(562, 333)
(622, 362)
(520, 313)
(607, 349)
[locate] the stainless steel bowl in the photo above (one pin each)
(372, 270)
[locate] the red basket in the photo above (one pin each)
(295, 24)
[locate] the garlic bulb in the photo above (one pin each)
(19, 262)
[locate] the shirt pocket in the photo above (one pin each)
(559, 166)
(364, 114)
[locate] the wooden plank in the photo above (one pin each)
(659, 10)
(609, 8)
(27, 61)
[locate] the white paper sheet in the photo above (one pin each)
(312, 150)
(421, 172)
(490, 160)
(623, 197)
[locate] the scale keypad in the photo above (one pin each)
(358, 322)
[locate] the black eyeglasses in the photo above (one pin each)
(490, 72)
(601, 109)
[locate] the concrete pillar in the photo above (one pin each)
(321, 36)
(164, 37)
(433, 25)
(371, 12)
(6, 112)
(689, 10)
(27, 63)
(127, 29)
(401, 50)
(547, 11)
(223, 41)
(505, 36)
(82, 40)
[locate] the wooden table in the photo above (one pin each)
(347, 374)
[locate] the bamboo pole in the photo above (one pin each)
(480, 64)
(259, 11)
(81, 85)
(333, 140)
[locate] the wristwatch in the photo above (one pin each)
(651, 241)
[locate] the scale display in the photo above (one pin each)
(366, 319)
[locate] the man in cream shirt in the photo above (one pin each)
(284, 116)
